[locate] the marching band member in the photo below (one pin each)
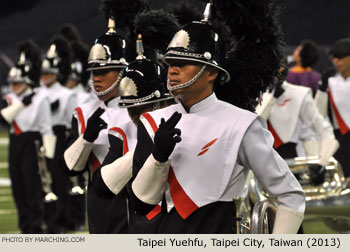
(142, 89)
(195, 155)
(332, 100)
(29, 116)
(290, 110)
(77, 81)
(55, 69)
(107, 61)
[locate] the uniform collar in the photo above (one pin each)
(339, 76)
(55, 85)
(203, 104)
(113, 102)
(27, 92)
(78, 88)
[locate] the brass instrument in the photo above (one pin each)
(44, 173)
(263, 217)
(238, 202)
(328, 202)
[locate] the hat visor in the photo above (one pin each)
(105, 67)
(136, 104)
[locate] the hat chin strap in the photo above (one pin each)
(108, 90)
(188, 83)
(20, 91)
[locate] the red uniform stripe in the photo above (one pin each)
(16, 128)
(125, 140)
(94, 161)
(153, 213)
(342, 126)
(183, 204)
(278, 142)
(14, 124)
(157, 209)
(151, 121)
(81, 120)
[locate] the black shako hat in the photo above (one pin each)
(108, 51)
(142, 82)
(199, 42)
(27, 69)
(341, 48)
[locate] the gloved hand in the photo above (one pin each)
(28, 99)
(324, 78)
(166, 138)
(317, 174)
(55, 105)
(94, 125)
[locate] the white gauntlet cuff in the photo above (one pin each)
(117, 174)
(321, 100)
(49, 143)
(287, 221)
(10, 112)
(77, 154)
(312, 148)
(328, 147)
(149, 184)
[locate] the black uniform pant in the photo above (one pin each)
(343, 155)
(107, 214)
(25, 181)
(78, 204)
(60, 215)
(214, 218)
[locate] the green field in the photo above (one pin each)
(8, 213)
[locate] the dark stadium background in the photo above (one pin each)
(323, 21)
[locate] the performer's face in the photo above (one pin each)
(342, 65)
(180, 72)
(18, 88)
(71, 83)
(48, 79)
(103, 79)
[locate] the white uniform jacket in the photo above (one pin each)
(67, 102)
(339, 93)
(34, 117)
(220, 143)
(293, 109)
